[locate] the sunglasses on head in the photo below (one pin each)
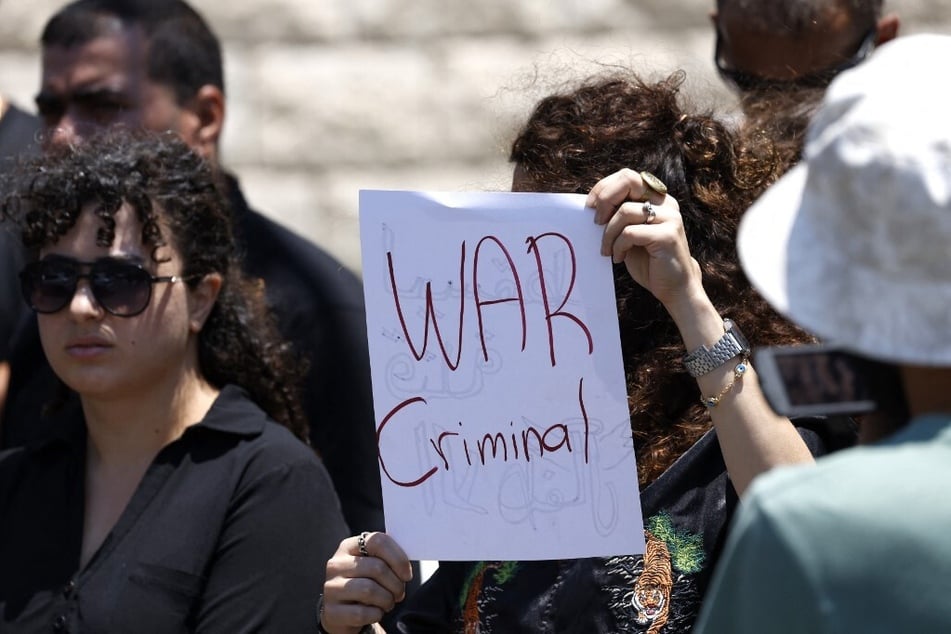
(121, 288)
(746, 82)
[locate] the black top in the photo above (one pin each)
(686, 511)
(319, 306)
(229, 531)
(17, 137)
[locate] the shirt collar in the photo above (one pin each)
(234, 413)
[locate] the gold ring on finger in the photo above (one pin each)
(654, 183)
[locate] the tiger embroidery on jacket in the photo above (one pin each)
(657, 592)
(651, 594)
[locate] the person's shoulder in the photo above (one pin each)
(263, 441)
(18, 132)
(280, 251)
(830, 477)
(278, 464)
(267, 227)
(25, 125)
(852, 485)
(278, 445)
(801, 485)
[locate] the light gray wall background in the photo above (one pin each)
(326, 97)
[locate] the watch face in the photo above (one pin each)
(732, 328)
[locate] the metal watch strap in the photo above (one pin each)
(706, 359)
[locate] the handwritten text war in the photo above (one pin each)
(505, 444)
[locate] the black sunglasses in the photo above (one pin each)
(747, 82)
(121, 288)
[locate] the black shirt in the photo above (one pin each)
(319, 307)
(229, 531)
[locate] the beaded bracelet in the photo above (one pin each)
(712, 401)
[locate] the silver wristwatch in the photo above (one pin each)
(731, 344)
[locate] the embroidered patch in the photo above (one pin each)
(658, 593)
(476, 592)
(651, 594)
(686, 550)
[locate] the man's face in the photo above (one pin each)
(103, 83)
(786, 56)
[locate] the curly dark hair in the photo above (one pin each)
(170, 189)
(610, 122)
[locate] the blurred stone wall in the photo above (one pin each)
(326, 97)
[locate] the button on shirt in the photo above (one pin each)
(229, 530)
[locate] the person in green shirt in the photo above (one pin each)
(852, 245)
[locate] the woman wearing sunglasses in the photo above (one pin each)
(178, 498)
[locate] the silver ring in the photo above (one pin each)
(649, 210)
(362, 542)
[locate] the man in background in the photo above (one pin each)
(779, 56)
(795, 43)
(156, 64)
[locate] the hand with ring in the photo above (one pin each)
(643, 228)
(366, 578)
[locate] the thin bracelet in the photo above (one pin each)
(712, 401)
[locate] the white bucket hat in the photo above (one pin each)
(854, 244)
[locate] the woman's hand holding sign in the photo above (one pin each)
(366, 578)
(644, 230)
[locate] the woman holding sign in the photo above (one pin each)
(702, 429)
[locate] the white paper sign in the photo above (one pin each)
(501, 409)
